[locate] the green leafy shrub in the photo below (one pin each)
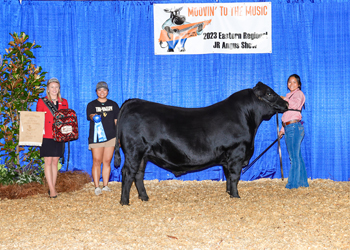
(21, 83)
(10, 175)
(7, 176)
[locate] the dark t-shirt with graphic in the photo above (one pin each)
(108, 111)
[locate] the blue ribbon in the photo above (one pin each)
(99, 132)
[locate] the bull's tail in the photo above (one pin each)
(117, 158)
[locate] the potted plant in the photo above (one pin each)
(21, 83)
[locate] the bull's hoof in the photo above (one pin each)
(144, 198)
(124, 203)
(235, 196)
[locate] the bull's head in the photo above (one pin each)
(266, 94)
(175, 16)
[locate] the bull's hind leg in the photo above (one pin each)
(128, 178)
(139, 181)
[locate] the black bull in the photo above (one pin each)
(189, 139)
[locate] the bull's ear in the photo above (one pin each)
(256, 88)
(260, 84)
(167, 10)
(259, 89)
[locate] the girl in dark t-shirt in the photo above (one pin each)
(102, 152)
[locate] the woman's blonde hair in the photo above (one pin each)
(53, 79)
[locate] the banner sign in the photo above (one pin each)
(31, 128)
(231, 28)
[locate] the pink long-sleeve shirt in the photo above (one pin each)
(296, 100)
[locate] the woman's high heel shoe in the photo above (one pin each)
(51, 196)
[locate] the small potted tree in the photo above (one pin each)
(21, 83)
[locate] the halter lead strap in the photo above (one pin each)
(279, 146)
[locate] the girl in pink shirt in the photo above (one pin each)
(294, 131)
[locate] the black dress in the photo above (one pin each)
(51, 148)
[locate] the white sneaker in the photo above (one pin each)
(98, 191)
(106, 188)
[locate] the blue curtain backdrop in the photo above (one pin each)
(84, 42)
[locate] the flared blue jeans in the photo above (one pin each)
(294, 135)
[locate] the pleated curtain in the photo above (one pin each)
(84, 42)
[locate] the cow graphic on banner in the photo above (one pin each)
(175, 30)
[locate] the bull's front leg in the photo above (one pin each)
(228, 180)
(234, 176)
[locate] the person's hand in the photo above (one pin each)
(280, 134)
(92, 116)
(282, 97)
